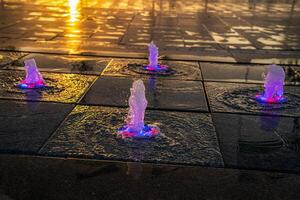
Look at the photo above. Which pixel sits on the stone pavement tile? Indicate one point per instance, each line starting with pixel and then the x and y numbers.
pixel 183 70
pixel 40 46
pixel 30 178
pixel 160 93
pixel 60 87
pixel 25 126
pixel 240 98
pixel 67 64
pixel 266 57
pixel 244 73
pixel 8 57
pixel 259 142
pixel 90 131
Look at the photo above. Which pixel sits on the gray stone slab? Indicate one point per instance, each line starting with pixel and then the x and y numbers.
pixel 244 73
pixel 66 64
pixel 183 70
pixel 240 98
pixel 28 178
pixel 160 93
pixel 259 142
pixel 9 57
pixel 25 126
pixel 266 57
pixel 90 131
pixel 66 88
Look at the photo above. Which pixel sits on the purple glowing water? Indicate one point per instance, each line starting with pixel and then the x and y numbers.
pixel 135 126
pixel 274 81
pixel 153 59
pixel 33 77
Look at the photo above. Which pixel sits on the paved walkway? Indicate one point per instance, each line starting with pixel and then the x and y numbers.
pixel 206 113
pixel 217 142
pixel 235 31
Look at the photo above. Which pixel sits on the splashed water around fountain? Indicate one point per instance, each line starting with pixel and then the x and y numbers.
pixel 274 81
pixel 135 126
pixel 33 77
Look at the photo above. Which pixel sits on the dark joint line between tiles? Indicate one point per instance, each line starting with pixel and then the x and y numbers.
pixel 249 83
pixel 43 156
pixel 52 72
pixel 148 108
pixel 55 129
pixel 137 57
pixel 205 93
pixel 100 158
pixel 254 114
pixel 31 100
pixel 87 89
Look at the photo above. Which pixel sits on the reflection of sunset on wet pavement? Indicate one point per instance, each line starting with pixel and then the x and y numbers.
pixel 222 28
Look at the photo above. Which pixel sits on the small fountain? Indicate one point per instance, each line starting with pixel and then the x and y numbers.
pixel 153 65
pixel 274 81
pixel 135 126
pixel 33 77
pixel 153 68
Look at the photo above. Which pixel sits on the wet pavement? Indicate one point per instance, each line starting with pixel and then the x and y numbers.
pixel 235 31
pixel 216 142
pixel 208 118
pixel 44 178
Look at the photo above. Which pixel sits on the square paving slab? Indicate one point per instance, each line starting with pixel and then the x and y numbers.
pixel 245 73
pixel 160 93
pixel 75 179
pixel 266 57
pixel 259 142
pixel 125 67
pixel 240 98
pixel 66 88
pixel 90 131
pixel 8 57
pixel 67 64
pixel 25 126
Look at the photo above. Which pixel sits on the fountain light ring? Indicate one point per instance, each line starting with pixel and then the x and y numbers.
pixel 274 100
pixel 37 85
pixel 148 131
pixel 163 70
pixel 157 68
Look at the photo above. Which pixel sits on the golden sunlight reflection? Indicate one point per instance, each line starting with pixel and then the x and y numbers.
pixel 73 4
pixel 73 33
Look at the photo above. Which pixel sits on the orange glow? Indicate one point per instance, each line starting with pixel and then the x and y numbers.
pixel 73 33
pixel 73 4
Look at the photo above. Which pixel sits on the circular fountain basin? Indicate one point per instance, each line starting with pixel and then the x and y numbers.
pixel 162 70
pixel 149 131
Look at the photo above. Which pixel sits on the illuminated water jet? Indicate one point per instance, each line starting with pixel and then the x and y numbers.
pixel 273 86
pixel 153 65
pixel 33 77
pixel 135 126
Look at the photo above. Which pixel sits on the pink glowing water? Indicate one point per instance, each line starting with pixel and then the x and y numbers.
pixel 153 59
pixel 274 81
pixel 135 126
pixel 33 77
